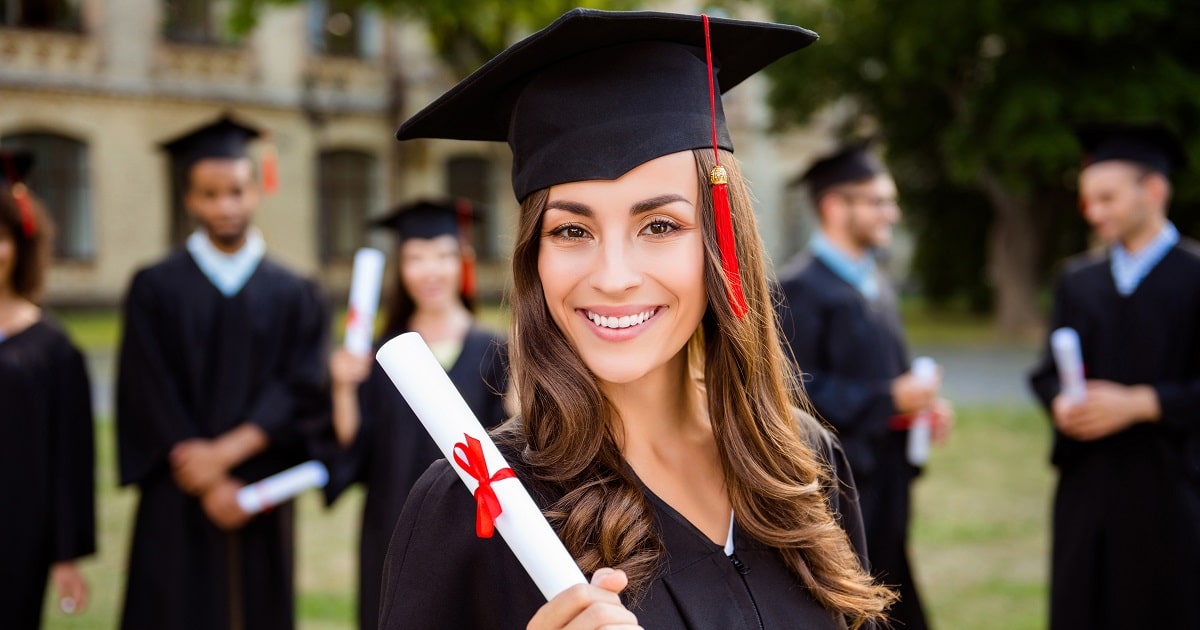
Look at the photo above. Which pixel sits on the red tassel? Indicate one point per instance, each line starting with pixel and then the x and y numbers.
pixel 723 216
pixel 25 207
pixel 464 210
pixel 270 169
pixel 725 241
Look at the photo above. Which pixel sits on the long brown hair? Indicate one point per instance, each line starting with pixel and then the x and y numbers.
pixel 777 482
pixel 32 250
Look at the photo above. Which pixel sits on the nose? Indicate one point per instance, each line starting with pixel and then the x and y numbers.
pixel 616 270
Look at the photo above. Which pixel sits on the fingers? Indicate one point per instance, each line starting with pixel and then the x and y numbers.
pixel 588 607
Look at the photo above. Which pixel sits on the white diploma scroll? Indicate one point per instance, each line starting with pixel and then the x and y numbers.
pixel 364 300
pixel 919 434
pixel 282 486
pixel 1064 344
pixel 424 384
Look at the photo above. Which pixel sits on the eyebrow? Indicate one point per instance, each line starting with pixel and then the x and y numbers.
pixel 641 207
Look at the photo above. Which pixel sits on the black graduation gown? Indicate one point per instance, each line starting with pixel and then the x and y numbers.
pixel 47 460
pixel 195 363
pixel 849 350
pixel 440 575
pixel 1126 546
pixel 392 450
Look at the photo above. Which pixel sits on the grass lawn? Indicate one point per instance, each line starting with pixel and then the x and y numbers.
pixel 980 533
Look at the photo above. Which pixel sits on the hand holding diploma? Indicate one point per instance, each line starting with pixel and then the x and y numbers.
pixel 500 497
pixel 280 487
pixel 594 605
pixel 1064 344
pixel 925 370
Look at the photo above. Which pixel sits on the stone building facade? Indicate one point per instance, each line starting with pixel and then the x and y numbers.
pixel 94 87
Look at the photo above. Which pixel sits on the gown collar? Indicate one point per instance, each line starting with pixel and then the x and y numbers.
pixel 228 272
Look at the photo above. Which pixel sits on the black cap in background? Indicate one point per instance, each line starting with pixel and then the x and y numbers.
pixel 849 164
pixel 597 93
pixel 428 219
pixel 1151 145
pixel 223 139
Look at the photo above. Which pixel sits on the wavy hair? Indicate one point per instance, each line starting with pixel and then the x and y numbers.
pixel 777 482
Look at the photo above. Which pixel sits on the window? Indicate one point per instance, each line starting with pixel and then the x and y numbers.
pixel 55 15
pixel 199 22
pixel 60 179
pixel 342 28
pixel 345 191
pixel 470 177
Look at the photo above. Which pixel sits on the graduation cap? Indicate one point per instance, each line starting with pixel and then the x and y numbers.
pixel 428 219
pixel 1151 145
pixel 222 139
pixel 598 93
pixel 14 168
pixel 851 163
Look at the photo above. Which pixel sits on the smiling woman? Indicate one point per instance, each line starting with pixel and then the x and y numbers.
pixel 659 430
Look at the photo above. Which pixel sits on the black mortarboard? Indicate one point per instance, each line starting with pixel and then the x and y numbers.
pixel 851 163
pixel 224 139
pixel 1151 145
pixel 15 165
pixel 598 93
pixel 428 219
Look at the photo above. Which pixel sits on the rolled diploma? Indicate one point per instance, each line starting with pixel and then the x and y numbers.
pixel 1064 343
pixel 424 384
pixel 282 486
pixel 925 370
pixel 365 281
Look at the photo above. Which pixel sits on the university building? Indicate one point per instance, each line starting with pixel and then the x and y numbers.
pixel 94 87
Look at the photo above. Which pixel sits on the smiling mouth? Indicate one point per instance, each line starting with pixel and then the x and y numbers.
pixel 623 321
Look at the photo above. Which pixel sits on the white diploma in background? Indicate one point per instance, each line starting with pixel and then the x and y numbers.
pixel 1064 343
pixel 282 486
pixel 364 300
pixel 925 371
pixel 448 419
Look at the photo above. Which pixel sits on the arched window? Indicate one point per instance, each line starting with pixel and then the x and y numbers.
pixel 470 177
pixel 53 15
pixel 198 22
pixel 60 179
pixel 346 191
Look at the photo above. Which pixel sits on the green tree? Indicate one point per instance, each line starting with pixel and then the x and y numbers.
pixel 976 102
pixel 465 32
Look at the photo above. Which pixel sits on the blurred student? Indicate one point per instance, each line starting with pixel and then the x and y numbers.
pixel 46 448
pixel 1126 543
pixel 222 355
pixel 839 317
pixel 386 447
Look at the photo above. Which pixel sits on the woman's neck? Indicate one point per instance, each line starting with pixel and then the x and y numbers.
pixel 16 312
pixel 441 324
pixel 663 407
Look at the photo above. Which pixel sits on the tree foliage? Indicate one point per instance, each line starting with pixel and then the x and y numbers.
pixel 976 101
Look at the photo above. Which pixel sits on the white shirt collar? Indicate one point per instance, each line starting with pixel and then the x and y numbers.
pixel 228 272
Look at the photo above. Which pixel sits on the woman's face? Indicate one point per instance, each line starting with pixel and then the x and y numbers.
pixel 430 269
pixel 8 256
pixel 622 266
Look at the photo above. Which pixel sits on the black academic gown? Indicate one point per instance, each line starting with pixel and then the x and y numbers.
pixel 194 363
pixel 849 350
pixel 47 460
pixel 392 450
pixel 440 575
pixel 1126 548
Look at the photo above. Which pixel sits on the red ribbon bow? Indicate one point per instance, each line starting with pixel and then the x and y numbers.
pixel 469 457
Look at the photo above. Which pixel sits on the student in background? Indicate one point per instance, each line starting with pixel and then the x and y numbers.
pixel 46 447
pixel 1126 540
pixel 222 356
pixel 385 446
pixel 840 320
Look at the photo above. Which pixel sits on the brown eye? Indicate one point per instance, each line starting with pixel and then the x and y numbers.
pixel 660 228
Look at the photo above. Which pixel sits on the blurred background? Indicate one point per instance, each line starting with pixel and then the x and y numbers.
pixel 973 103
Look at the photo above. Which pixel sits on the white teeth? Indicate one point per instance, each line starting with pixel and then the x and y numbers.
pixel 624 321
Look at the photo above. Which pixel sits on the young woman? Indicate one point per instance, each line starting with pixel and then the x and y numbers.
pixel 386 448
pixel 658 430
pixel 46 449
